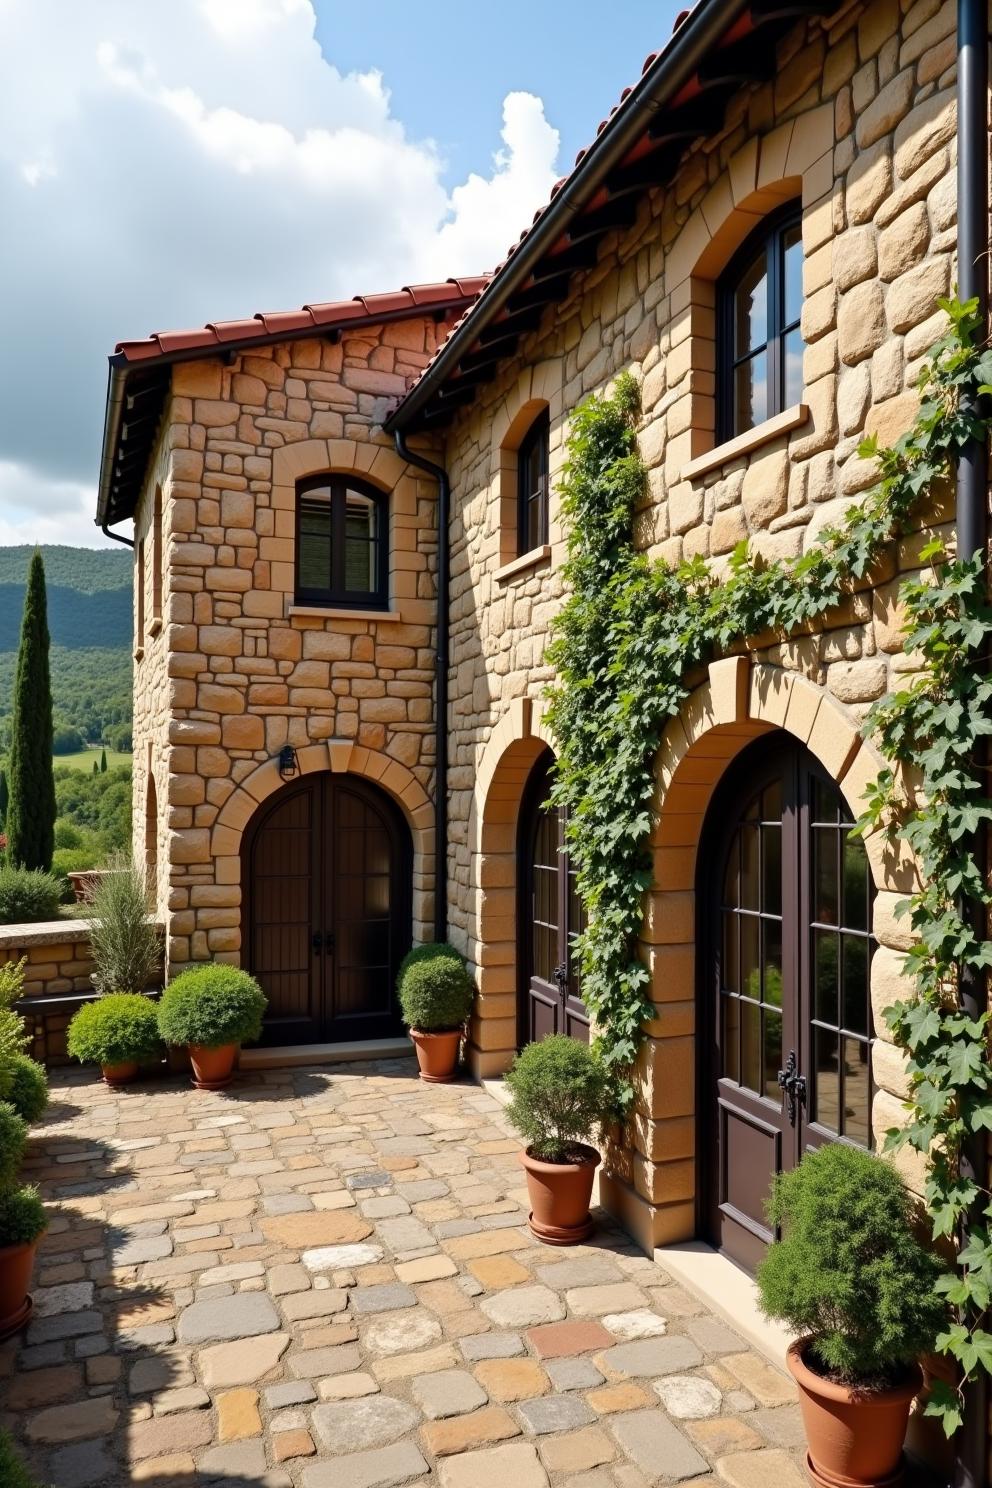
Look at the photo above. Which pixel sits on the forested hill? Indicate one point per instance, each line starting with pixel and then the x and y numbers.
pixel 90 620
pixel 89 595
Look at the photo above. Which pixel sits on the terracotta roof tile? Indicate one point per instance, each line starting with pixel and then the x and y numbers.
pixel 221 333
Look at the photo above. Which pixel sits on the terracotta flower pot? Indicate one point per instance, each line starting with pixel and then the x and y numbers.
pixel 120 1074
pixel 855 1439
pixel 560 1194
pixel 213 1068
pixel 437 1054
pixel 16 1265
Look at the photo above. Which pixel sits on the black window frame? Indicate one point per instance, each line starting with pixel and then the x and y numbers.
pixel 336 594
pixel 536 442
pixel 769 234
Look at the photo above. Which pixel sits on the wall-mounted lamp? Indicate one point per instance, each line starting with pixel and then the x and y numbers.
pixel 289 765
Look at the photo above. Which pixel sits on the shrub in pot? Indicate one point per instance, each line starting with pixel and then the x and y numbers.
pixel 118 1032
pixel 22 1223
pixel 212 1010
pixel 560 1098
pixel 28 895
pixel 428 951
pixel 435 992
pixel 851 1278
pixel 25 1086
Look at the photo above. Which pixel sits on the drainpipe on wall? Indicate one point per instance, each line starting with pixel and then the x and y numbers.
pixel 440 682
pixel 971 1467
pixel 104 528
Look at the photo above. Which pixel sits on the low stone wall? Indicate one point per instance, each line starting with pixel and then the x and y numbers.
pixel 59 966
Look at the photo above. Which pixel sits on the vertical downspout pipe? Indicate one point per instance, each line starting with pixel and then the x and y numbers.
pixel 440 681
pixel 971 1467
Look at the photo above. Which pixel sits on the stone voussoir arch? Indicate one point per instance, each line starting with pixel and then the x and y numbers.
pixel 342 756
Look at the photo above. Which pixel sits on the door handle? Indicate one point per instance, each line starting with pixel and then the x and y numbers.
pixel 329 942
pixel 560 975
pixel 793 1085
pixel 317 941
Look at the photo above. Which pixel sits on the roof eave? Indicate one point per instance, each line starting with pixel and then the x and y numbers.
pixel 703 28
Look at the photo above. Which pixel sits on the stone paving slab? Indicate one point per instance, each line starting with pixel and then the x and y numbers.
pixel 323 1278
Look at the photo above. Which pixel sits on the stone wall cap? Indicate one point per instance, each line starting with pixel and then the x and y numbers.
pixel 49 932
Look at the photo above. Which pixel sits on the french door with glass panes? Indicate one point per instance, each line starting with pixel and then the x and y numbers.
pixel 786 1002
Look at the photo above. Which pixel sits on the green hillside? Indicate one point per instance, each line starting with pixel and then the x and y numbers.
pixel 90 620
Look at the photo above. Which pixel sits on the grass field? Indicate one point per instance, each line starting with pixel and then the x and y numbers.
pixel 83 760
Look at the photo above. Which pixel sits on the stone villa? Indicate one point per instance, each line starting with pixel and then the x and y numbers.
pixel 760 232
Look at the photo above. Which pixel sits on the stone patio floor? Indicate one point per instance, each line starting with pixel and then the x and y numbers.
pixel 323 1278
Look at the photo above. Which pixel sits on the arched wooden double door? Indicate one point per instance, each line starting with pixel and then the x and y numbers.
pixel 550 917
pixel 326 870
pixel 785 1002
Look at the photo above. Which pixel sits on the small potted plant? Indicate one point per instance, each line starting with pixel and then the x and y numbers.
pixel 560 1098
pixel 435 992
pixel 22 1221
pixel 851 1278
pixel 212 1010
pixel 118 1032
pixel 24 1084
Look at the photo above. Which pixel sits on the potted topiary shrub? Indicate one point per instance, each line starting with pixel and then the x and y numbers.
pixel 22 1220
pixel 850 1277
pixel 435 992
pixel 24 1084
pixel 212 1010
pixel 118 1032
pixel 560 1098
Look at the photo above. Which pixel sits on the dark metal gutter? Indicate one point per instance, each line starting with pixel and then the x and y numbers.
pixel 971 1463
pixel 440 680
pixel 691 44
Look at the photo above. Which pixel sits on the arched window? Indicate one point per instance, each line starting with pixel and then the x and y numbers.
pixel 759 343
pixel 342 527
pixel 533 457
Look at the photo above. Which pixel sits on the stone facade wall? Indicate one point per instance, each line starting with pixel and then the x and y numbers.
pixel 859 122
pixel 239 670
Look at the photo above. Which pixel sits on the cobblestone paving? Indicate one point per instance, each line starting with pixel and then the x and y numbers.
pixel 323 1279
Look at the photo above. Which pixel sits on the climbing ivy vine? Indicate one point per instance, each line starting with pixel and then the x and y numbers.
pixel 625 646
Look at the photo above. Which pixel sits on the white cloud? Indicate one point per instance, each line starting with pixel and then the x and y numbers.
pixel 37 508
pixel 176 161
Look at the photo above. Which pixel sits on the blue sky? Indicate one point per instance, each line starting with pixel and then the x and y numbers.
pixel 168 162
pixel 448 74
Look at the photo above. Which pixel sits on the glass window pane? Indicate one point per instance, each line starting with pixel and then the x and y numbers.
pixel 825 906
pixel 751 307
pixel 731 1037
pixel 824 801
pixel 792 273
pixel 749 866
pixel 771 869
pixel 730 877
pixel 772 1053
pixel 750 966
pixel 857 1091
pixel 855 883
pixel 825 976
pixel 729 967
pixel 535 520
pixel 792 369
pixel 856 997
pixel 361 546
pixel 751 393
pixel 771 989
pixel 771 802
pixel 826 1084
pixel 750 1015
pixel 314 561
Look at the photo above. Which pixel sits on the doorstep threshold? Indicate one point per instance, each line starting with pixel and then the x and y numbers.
pixel 726 1290
pixel 288 1055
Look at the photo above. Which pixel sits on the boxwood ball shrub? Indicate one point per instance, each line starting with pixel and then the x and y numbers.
pixel 121 1028
pixel 28 895
pixel 428 951
pixel 211 1006
pixel 560 1096
pixel 13 1473
pixel 13 1140
pixel 849 1269
pixel 22 1219
pixel 436 993
pixel 26 1088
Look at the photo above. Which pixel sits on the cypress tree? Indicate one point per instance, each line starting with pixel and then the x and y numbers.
pixel 4 799
pixel 96 767
pixel 103 762
pixel 31 810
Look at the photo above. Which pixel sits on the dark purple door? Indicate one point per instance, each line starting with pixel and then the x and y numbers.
pixel 326 876
pixel 550 917
pixel 785 994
